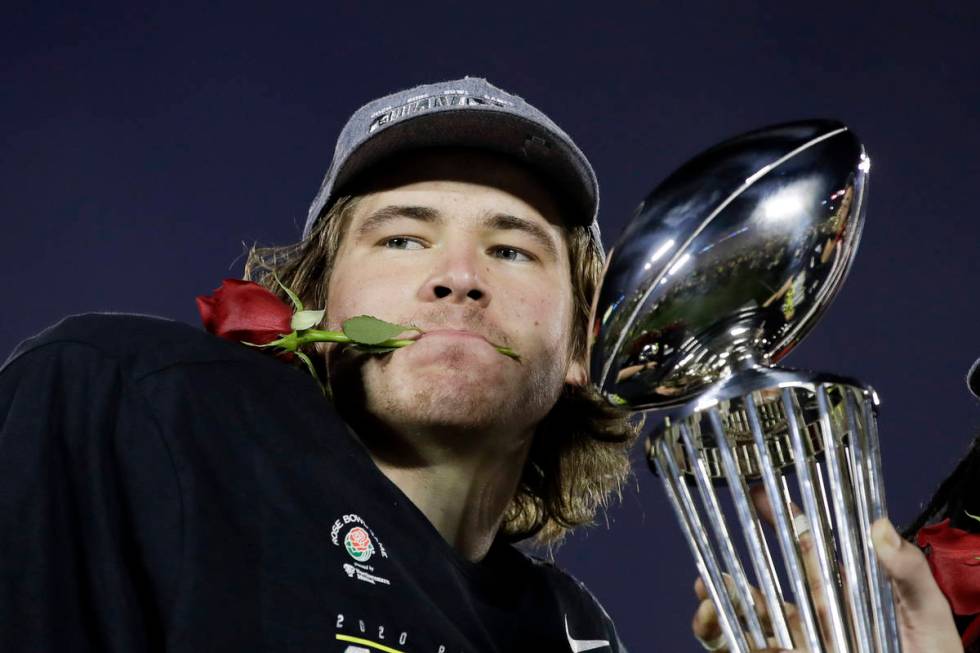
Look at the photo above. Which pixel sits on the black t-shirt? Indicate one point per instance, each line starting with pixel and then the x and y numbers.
pixel 162 489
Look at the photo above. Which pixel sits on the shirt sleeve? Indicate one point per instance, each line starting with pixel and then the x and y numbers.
pixel 89 507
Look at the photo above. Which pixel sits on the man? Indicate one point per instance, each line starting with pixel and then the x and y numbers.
pixel 165 490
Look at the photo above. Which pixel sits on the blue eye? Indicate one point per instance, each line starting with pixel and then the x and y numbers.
pixel 402 242
pixel 510 254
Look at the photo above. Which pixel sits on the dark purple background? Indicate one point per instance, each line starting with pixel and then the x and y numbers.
pixel 142 146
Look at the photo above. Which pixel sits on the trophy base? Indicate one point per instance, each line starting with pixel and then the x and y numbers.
pixel 807 439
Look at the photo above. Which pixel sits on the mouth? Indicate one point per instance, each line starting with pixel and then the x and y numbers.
pixel 461 334
pixel 495 338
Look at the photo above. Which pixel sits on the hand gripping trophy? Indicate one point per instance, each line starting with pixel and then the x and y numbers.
pixel 724 268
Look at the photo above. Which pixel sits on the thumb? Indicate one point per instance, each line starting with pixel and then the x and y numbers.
pixel 925 618
pixel 912 581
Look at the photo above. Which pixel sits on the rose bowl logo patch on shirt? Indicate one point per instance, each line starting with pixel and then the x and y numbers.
pixel 360 543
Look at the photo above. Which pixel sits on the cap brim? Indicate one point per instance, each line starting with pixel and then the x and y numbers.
pixel 973 379
pixel 505 133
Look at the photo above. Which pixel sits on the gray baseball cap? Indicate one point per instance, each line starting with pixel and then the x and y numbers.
pixel 468 112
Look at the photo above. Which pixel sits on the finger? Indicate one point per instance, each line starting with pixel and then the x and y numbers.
pixel 705 623
pixel 699 589
pixel 809 554
pixel 759 603
pixel 761 502
pixel 811 568
pixel 793 622
pixel 755 597
pixel 760 499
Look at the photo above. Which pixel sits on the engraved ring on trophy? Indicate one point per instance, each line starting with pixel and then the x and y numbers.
pixel 723 269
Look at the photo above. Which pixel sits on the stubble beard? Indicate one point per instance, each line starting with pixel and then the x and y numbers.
pixel 461 400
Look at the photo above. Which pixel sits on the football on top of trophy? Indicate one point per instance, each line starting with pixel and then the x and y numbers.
pixel 728 263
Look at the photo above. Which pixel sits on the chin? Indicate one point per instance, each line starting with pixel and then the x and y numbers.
pixel 450 399
pixel 462 399
pixel 458 387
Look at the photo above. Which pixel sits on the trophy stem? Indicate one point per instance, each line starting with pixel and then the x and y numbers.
pixel 784 528
pixel 697 539
pixel 865 460
pixel 743 595
pixel 886 619
pixel 842 497
pixel 811 491
pixel 855 460
pixel 752 530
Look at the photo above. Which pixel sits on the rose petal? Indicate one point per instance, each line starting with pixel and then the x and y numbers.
pixel 244 310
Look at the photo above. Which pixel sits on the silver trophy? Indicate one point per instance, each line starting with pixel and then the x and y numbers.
pixel 724 268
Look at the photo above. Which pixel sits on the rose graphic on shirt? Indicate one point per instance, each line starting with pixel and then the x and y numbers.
pixel 358 544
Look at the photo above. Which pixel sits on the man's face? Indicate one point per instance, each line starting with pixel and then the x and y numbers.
pixel 468 247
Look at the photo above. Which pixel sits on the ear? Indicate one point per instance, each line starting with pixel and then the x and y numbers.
pixel 576 374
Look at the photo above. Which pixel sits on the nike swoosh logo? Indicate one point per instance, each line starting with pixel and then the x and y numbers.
pixel 579 645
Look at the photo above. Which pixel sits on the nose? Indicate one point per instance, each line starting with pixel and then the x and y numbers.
pixel 456 278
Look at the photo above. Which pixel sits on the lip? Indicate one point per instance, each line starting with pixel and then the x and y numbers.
pixel 454 333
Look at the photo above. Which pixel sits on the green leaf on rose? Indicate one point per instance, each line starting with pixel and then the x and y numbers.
pixel 971 516
pixel 306 319
pixel 293 297
pixel 507 351
pixel 306 360
pixel 367 330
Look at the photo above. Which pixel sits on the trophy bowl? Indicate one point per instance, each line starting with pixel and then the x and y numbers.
pixel 730 260
pixel 723 269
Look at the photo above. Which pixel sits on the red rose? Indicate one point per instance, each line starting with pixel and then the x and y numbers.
pixel 953 559
pixel 245 311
